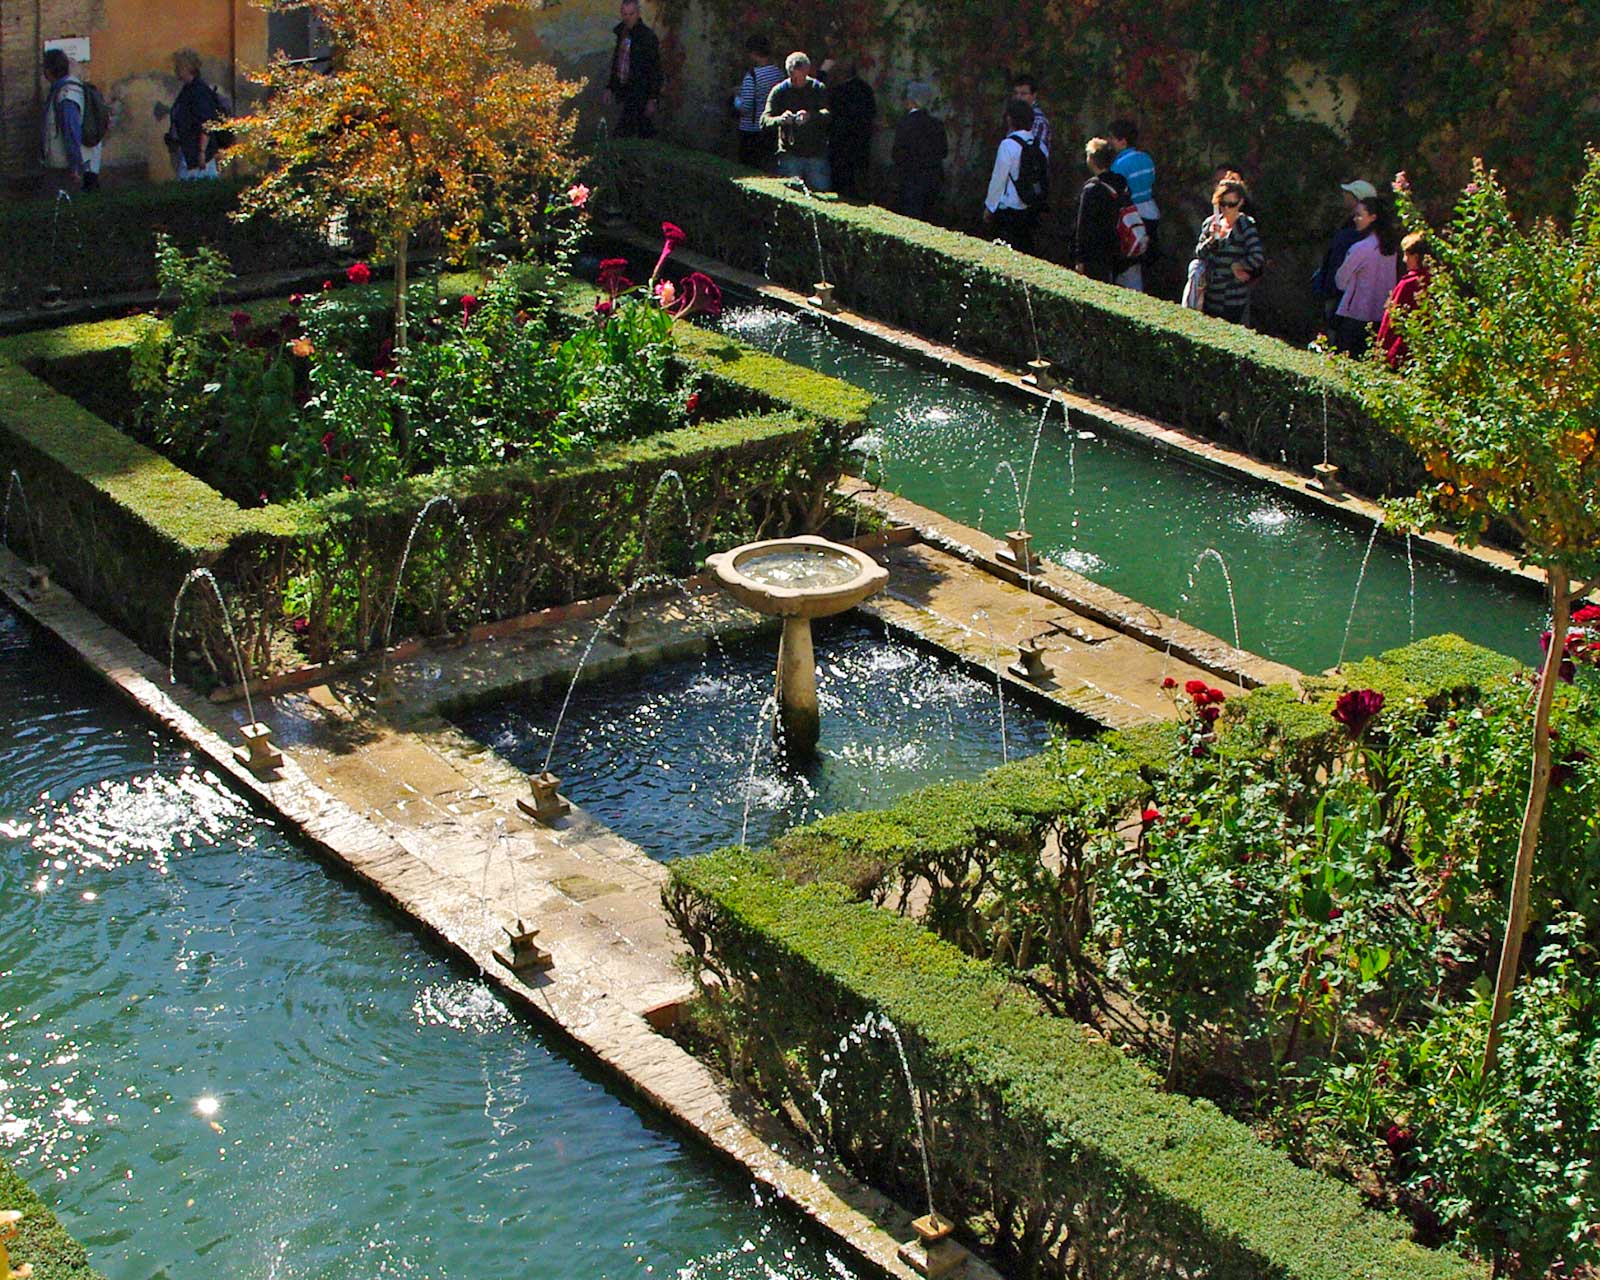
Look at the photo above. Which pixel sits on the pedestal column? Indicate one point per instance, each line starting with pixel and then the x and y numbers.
pixel 798 717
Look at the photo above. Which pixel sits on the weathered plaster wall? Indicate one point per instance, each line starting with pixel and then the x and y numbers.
pixel 131 47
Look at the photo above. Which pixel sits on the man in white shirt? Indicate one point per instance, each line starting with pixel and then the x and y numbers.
pixel 1006 212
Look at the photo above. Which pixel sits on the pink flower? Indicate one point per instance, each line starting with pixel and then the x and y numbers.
pixel 358 273
pixel 469 304
pixel 666 294
pixel 578 194
pixel 349 479
pixel 295 299
pixel 300 625
pixel 672 236
pixel 1356 709
pixel 699 293
pixel 613 276
pixel 604 307
pixel 1473 188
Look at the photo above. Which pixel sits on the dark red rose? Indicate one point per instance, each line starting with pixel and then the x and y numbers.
pixel 1356 709
pixel 327 442
pixel 691 406
pixel 1195 688
pixel 1167 682
pixel 240 321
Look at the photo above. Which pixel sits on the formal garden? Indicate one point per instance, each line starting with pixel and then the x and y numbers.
pixel 1291 979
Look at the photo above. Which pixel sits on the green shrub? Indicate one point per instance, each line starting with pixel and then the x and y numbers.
pixel 1052 1145
pixel 1223 381
pixel 104 243
pixel 42 1241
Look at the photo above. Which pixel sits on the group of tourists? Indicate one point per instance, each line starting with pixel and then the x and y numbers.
pixel 76 119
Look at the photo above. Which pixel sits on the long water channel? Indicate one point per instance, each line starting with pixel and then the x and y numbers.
pixel 1139 522
pixel 219 1059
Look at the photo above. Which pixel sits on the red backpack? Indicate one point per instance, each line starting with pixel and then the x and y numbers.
pixel 1133 237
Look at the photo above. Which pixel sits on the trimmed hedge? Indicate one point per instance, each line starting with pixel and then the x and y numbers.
pixel 1220 380
pixel 121 526
pixel 41 1240
pixel 104 243
pixel 1056 1146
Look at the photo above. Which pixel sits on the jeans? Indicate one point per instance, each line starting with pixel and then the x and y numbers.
pixel 812 170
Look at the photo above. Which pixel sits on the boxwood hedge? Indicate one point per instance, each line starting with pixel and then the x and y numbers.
pixel 105 243
pixel 1139 353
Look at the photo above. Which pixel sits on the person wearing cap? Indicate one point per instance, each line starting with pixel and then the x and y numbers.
pixel 1324 281
pixel 921 144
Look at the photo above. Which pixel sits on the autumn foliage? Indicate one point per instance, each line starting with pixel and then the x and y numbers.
pixel 425 121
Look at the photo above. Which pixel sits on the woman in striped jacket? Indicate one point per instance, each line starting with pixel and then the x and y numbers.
pixel 1231 250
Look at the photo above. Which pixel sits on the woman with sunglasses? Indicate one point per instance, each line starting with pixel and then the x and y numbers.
pixel 1231 252
pixel 1367 276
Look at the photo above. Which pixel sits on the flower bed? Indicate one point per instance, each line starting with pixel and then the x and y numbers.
pixel 1309 891
pixel 121 524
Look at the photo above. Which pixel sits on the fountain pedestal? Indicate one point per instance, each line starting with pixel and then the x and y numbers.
pixel 1327 478
pixel 1040 375
pixel 822 299
pixel 258 754
pixel 546 804
pixel 798 579
pixel 933 1253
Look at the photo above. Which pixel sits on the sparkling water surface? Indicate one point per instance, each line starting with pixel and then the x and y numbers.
pixel 663 755
pixel 1139 522
pixel 217 1059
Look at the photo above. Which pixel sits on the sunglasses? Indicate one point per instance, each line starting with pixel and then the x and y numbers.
pixel 1231 204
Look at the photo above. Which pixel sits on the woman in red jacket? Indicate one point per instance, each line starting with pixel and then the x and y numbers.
pixel 1405 295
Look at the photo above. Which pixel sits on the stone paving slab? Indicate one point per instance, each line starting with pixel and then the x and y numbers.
pixel 461 877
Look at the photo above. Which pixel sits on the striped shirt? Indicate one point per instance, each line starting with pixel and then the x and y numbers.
pixel 1041 128
pixel 1226 295
pixel 1140 171
pixel 752 95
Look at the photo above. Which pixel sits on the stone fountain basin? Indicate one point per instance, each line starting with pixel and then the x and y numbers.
pixel 801 577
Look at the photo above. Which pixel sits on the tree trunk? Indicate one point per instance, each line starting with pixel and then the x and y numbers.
pixel 1538 789
pixel 401 331
pixel 1178 1025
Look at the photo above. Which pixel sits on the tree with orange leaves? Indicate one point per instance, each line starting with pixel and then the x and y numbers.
pixel 1500 395
pixel 426 120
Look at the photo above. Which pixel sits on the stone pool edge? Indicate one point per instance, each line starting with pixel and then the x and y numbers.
pixel 655 1069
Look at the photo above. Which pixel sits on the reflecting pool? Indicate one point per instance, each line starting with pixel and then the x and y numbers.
pixel 220 1060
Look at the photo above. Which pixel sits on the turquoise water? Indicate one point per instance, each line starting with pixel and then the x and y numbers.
pixel 219 1060
pixel 1140 522
pixel 678 757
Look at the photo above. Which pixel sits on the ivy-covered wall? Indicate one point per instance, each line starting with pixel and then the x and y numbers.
pixel 1302 94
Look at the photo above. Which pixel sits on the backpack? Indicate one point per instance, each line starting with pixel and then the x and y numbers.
pixel 222 109
pixel 96 116
pixel 95 120
pixel 1033 175
pixel 1133 237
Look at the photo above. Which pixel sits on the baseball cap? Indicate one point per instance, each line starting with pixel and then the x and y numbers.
pixel 1360 188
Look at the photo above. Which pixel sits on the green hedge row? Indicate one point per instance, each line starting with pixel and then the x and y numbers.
pixel 1056 1147
pixel 41 1241
pixel 121 526
pixel 1143 354
pixel 105 242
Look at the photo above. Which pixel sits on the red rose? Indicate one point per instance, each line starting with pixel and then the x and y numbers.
pixel 1356 709
pixel 1150 815
pixel 359 273
pixel 327 285
pixel 1167 682
pixel 1195 688
pixel 691 406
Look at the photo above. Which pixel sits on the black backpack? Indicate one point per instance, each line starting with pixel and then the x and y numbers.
pixel 1033 175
